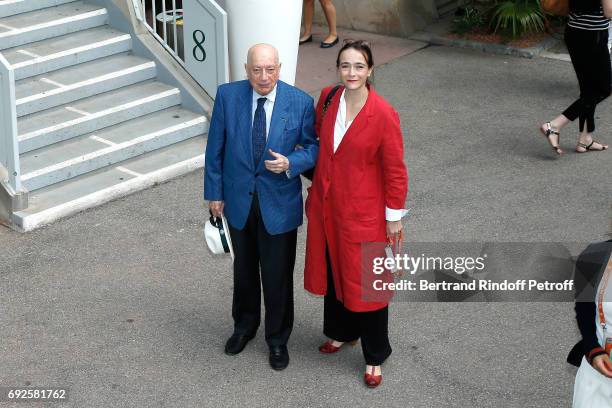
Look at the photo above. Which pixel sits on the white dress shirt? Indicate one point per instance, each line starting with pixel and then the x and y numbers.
pixel 340 129
pixel 268 107
pixel 607 309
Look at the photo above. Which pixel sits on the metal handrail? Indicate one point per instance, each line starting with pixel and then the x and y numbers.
pixel 140 7
pixel 207 20
pixel 136 6
pixel 9 145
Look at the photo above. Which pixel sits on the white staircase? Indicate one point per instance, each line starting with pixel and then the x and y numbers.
pixel 93 122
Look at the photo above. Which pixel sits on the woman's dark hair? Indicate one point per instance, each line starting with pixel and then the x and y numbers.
pixel 359 45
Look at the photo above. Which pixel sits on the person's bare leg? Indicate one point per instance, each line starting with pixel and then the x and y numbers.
pixel 559 122
pixel 308 12
pixel 375 370
pixel 330 15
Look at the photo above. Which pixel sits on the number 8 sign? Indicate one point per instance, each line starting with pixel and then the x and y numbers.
pixel 206 38
pixel 201 56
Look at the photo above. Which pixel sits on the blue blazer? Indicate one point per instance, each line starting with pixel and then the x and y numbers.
pixel 229 172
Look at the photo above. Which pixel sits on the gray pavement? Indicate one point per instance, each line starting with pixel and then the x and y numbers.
pixel 124 305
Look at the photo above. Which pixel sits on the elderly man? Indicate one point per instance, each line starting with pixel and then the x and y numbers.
pixel 261 138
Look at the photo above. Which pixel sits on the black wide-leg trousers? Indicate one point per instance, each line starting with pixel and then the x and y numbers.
pixel 254 247
pixel 591 60
pixel 341 324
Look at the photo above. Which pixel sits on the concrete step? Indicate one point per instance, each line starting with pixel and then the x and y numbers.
pixel 80 155
pixel 91 114
pixel 80 81
pixel 93 189
pixel 67 50
pixel 12 7
pixel 50 22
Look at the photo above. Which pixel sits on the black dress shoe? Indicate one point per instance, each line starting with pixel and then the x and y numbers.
pixel 279 357
pixel 331 44
pixel 236 343
pixel 309 39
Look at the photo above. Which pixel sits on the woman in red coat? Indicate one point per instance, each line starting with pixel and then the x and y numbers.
pixel 357 195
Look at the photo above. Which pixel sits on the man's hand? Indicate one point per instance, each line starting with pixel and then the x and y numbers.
pixel 603 364
pixel 280 164
pixel 216 208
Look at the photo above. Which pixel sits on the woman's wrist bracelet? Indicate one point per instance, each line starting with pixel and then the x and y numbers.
pixel 597 351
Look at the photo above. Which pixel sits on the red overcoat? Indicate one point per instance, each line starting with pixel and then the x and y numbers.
pixel 350 190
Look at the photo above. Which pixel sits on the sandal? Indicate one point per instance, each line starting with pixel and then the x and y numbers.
pixel 547 133
pixel 587 148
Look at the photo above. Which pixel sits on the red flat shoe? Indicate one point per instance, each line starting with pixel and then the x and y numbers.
pixel 371 380
pixel 329 348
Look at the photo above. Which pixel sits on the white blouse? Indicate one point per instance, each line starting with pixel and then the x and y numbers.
pixel 340 129
pixel 607 308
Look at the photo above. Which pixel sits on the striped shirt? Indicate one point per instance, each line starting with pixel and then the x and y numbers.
pixel 589 21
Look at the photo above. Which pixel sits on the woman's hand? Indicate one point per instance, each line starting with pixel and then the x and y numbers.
pixel 603 364
pixel 394 229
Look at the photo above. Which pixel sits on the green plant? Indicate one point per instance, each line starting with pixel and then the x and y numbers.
pixel 470 19
pixel 517 17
